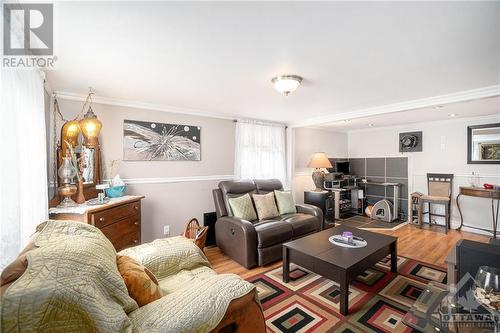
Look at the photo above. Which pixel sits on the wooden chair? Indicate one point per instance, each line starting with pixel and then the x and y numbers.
pixel 439 186
pixel 196 233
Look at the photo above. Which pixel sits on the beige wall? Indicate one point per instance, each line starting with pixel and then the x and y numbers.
pixel 307 141
pixel 170 202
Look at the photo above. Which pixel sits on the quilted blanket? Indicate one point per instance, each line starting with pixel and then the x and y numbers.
pixel 72 284
pixel 195 297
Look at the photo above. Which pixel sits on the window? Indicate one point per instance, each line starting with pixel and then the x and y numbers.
pixel 260 151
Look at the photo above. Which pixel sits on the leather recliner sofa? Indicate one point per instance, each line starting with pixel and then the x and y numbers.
pixel 252 243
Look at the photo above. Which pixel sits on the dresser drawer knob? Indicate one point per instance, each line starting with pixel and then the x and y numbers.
pixel 136 223
pixel 136 241
pixel 136 207
pixel 101 219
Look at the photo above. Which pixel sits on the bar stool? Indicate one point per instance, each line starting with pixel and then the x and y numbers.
pixel 439 188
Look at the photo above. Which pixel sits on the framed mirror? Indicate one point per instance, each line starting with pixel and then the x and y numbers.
pixel 89 156
pixel 483 144
pixel 91 172
pixel 91 167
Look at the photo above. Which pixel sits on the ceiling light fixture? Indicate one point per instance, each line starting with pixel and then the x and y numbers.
pixel 286 84
pixel 452 115
pixel 371 125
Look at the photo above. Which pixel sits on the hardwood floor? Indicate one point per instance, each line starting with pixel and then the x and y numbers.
pixel 431 246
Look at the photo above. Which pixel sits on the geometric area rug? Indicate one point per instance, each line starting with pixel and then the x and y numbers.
pixel 378 298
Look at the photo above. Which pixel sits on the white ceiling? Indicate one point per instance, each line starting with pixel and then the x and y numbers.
pixel 475 108
pixel 219 58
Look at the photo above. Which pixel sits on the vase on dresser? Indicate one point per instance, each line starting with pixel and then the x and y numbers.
pixel 80 197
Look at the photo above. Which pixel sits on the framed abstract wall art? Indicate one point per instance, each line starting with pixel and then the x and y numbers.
pixel 153 141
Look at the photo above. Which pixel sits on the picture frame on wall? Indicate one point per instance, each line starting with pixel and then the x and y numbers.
pixel 155 141
pixel 483 144
pixel 410 142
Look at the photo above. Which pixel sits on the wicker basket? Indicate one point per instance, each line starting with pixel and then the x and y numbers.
pixel 196 233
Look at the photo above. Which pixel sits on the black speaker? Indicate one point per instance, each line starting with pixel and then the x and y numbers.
pixel 209 220
pixel 324 200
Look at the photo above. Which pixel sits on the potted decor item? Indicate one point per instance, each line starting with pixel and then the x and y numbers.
pixel 117 187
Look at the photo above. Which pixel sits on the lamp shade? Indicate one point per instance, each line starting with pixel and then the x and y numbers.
pixel 91 126
pixel 319 160
pixel 69 133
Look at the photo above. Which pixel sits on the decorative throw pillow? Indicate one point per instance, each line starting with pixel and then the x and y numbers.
pixel 141 284
pixel 266 205
pixel 285 202
pixel 242 207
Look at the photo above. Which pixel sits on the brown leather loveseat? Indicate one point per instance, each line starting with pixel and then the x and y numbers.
pixel 252 243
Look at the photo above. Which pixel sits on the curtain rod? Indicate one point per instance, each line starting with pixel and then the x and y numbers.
pixel 263 122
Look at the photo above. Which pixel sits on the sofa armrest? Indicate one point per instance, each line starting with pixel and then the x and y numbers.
pixel 238 239
pixel 243 315
pixel 311 210
pixel 197 307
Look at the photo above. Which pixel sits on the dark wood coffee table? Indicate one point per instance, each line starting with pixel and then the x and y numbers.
pixel 340 264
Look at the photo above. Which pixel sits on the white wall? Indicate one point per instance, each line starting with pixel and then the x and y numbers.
pixel 307 141
pixel 171 202
pixel 444 151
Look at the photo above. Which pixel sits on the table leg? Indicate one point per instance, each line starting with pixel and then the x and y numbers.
pixel 460 213
pixel 286 265
pixel 344 296
pixel 394 257
pixel 494 216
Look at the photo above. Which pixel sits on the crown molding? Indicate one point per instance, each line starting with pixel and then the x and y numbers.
pixel 142 105
pixel 467 95
pixel 490 117
pixel 462 96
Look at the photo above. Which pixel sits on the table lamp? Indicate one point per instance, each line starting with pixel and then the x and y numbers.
pixel 67 173
pixel 318 161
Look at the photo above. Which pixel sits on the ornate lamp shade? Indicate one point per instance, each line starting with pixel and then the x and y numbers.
pixel 318 161
pixel 91 126
pixel 69 133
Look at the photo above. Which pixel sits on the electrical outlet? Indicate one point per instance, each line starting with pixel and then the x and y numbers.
pixel 166 230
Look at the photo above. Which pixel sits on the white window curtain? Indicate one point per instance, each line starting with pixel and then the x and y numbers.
pixel 260 151
pixel 23 168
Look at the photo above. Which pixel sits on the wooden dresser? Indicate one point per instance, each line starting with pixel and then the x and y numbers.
pixel 119 219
